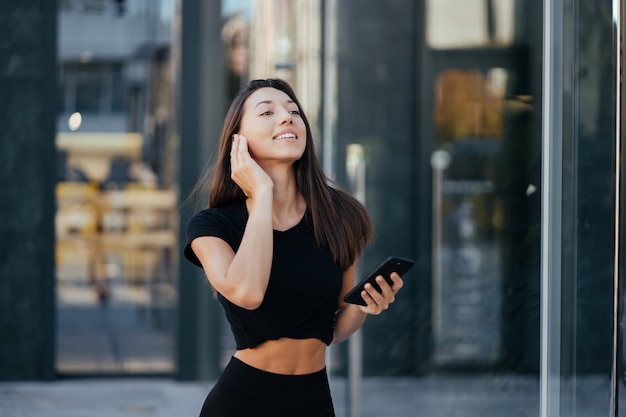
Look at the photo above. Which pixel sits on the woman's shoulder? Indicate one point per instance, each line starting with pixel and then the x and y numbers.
pixel 226 223
pixel 230 209
pixel 231 213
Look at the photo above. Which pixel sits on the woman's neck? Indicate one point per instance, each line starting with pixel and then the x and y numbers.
pixel 288 204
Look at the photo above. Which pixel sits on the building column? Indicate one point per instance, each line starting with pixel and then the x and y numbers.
pixel 200 111
pixel 28 90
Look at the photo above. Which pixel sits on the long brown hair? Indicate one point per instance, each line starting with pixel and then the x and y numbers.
pixel 339 220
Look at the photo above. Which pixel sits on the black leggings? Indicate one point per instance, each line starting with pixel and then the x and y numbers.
pixel 243 390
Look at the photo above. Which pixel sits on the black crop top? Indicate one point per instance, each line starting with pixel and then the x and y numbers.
pixel 301 298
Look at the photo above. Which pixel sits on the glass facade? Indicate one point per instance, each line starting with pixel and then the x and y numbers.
pixel 481 135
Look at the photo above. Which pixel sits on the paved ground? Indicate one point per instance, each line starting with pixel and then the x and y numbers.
pixel 381 397
pixel 122 337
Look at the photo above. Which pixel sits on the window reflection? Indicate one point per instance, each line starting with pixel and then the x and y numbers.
pixel 282 39
pixel 468 217
pixel 469 104
pixel 476 23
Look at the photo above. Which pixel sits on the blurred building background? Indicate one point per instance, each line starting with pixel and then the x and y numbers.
pixel 489 158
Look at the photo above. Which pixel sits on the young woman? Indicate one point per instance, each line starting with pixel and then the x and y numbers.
pixel 278 245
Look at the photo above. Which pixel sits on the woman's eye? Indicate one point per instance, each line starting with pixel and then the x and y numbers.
pixel 295 112
pixel 266 113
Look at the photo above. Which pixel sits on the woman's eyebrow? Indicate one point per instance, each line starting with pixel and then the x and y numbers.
pixel 270 102
pixel 263 102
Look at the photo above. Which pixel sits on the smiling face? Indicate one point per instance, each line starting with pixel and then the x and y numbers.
pixel 272 124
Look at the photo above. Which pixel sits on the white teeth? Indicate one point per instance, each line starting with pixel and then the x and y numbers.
pixel 285 136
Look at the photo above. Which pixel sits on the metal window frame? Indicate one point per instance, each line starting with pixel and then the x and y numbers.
pixel 552 284
pixel 551 209
pixel 618 32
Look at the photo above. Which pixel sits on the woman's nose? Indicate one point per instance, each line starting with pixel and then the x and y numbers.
pixel 286 117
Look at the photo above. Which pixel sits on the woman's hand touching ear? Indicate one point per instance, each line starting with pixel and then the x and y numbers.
pixel 246 173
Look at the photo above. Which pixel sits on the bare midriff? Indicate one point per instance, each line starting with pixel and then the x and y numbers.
pixel 286 356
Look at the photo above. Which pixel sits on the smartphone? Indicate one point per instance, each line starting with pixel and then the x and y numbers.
pixel 389 265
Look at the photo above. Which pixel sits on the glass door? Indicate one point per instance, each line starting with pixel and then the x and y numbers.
pixel 116 228
pixel 483 139
pixel 485 168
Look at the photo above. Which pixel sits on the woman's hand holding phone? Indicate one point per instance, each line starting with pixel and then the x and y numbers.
pixel 378 301
pixel 378 289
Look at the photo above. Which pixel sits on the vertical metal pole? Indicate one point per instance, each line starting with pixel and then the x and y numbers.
pixel 355 170
pixel 551 202
pixel 439 161
pixel 355 369
pixel 618 29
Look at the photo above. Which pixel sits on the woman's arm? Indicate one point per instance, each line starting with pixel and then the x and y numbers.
pixel 243 277
pixel 350 317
